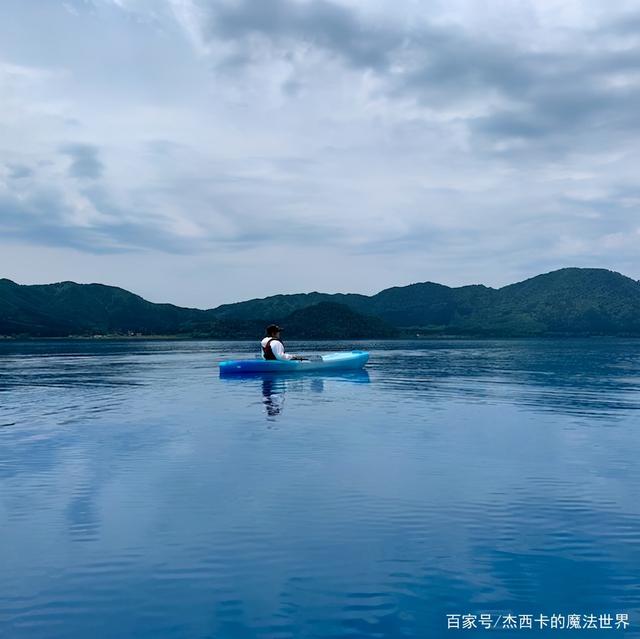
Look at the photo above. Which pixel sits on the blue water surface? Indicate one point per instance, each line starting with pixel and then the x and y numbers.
pixel 141 495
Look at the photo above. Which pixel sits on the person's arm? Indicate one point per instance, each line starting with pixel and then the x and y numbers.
pixel 278 350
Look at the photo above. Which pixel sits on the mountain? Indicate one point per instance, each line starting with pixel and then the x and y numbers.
pixel 330 320
pixel 570 301
pixel 276 307
pixel 325 320
pixel 68 308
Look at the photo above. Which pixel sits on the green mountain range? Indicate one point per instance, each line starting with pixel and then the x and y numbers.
pixel 567 302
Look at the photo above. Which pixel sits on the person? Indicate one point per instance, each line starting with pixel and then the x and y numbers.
pixel 272 346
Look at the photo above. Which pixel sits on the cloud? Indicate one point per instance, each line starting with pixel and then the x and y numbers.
pixel 445 140
pixel 46 218
pixel 501 90
pixel 90 218
pixel 329 26
pixel 85 161
pixel 19 171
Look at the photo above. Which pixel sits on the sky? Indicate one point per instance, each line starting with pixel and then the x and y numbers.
pixel 207 151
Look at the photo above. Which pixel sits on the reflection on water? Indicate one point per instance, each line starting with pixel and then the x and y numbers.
pixel 142 496
pixel 273 392
pixel 274 385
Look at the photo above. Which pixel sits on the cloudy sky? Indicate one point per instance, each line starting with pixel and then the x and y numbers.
pixel 206 151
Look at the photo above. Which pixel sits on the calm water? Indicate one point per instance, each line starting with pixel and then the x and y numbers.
pixel 143 496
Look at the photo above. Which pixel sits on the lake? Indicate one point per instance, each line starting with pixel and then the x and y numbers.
pixel 465 482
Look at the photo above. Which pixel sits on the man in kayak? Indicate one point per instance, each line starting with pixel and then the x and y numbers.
pixel 272 346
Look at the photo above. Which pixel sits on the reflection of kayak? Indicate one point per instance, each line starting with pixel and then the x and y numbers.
pixel 331 362
pixel 355 376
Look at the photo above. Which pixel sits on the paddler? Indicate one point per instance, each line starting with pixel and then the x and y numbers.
pixel 272 346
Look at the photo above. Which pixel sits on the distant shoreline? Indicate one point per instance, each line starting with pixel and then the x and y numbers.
pixel 425 338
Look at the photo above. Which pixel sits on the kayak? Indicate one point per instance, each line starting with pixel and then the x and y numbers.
pixel 331 362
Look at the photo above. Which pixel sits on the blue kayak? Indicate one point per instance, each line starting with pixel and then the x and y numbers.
pixel 331 362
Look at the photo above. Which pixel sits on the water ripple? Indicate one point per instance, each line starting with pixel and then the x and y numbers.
pixel 143 496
